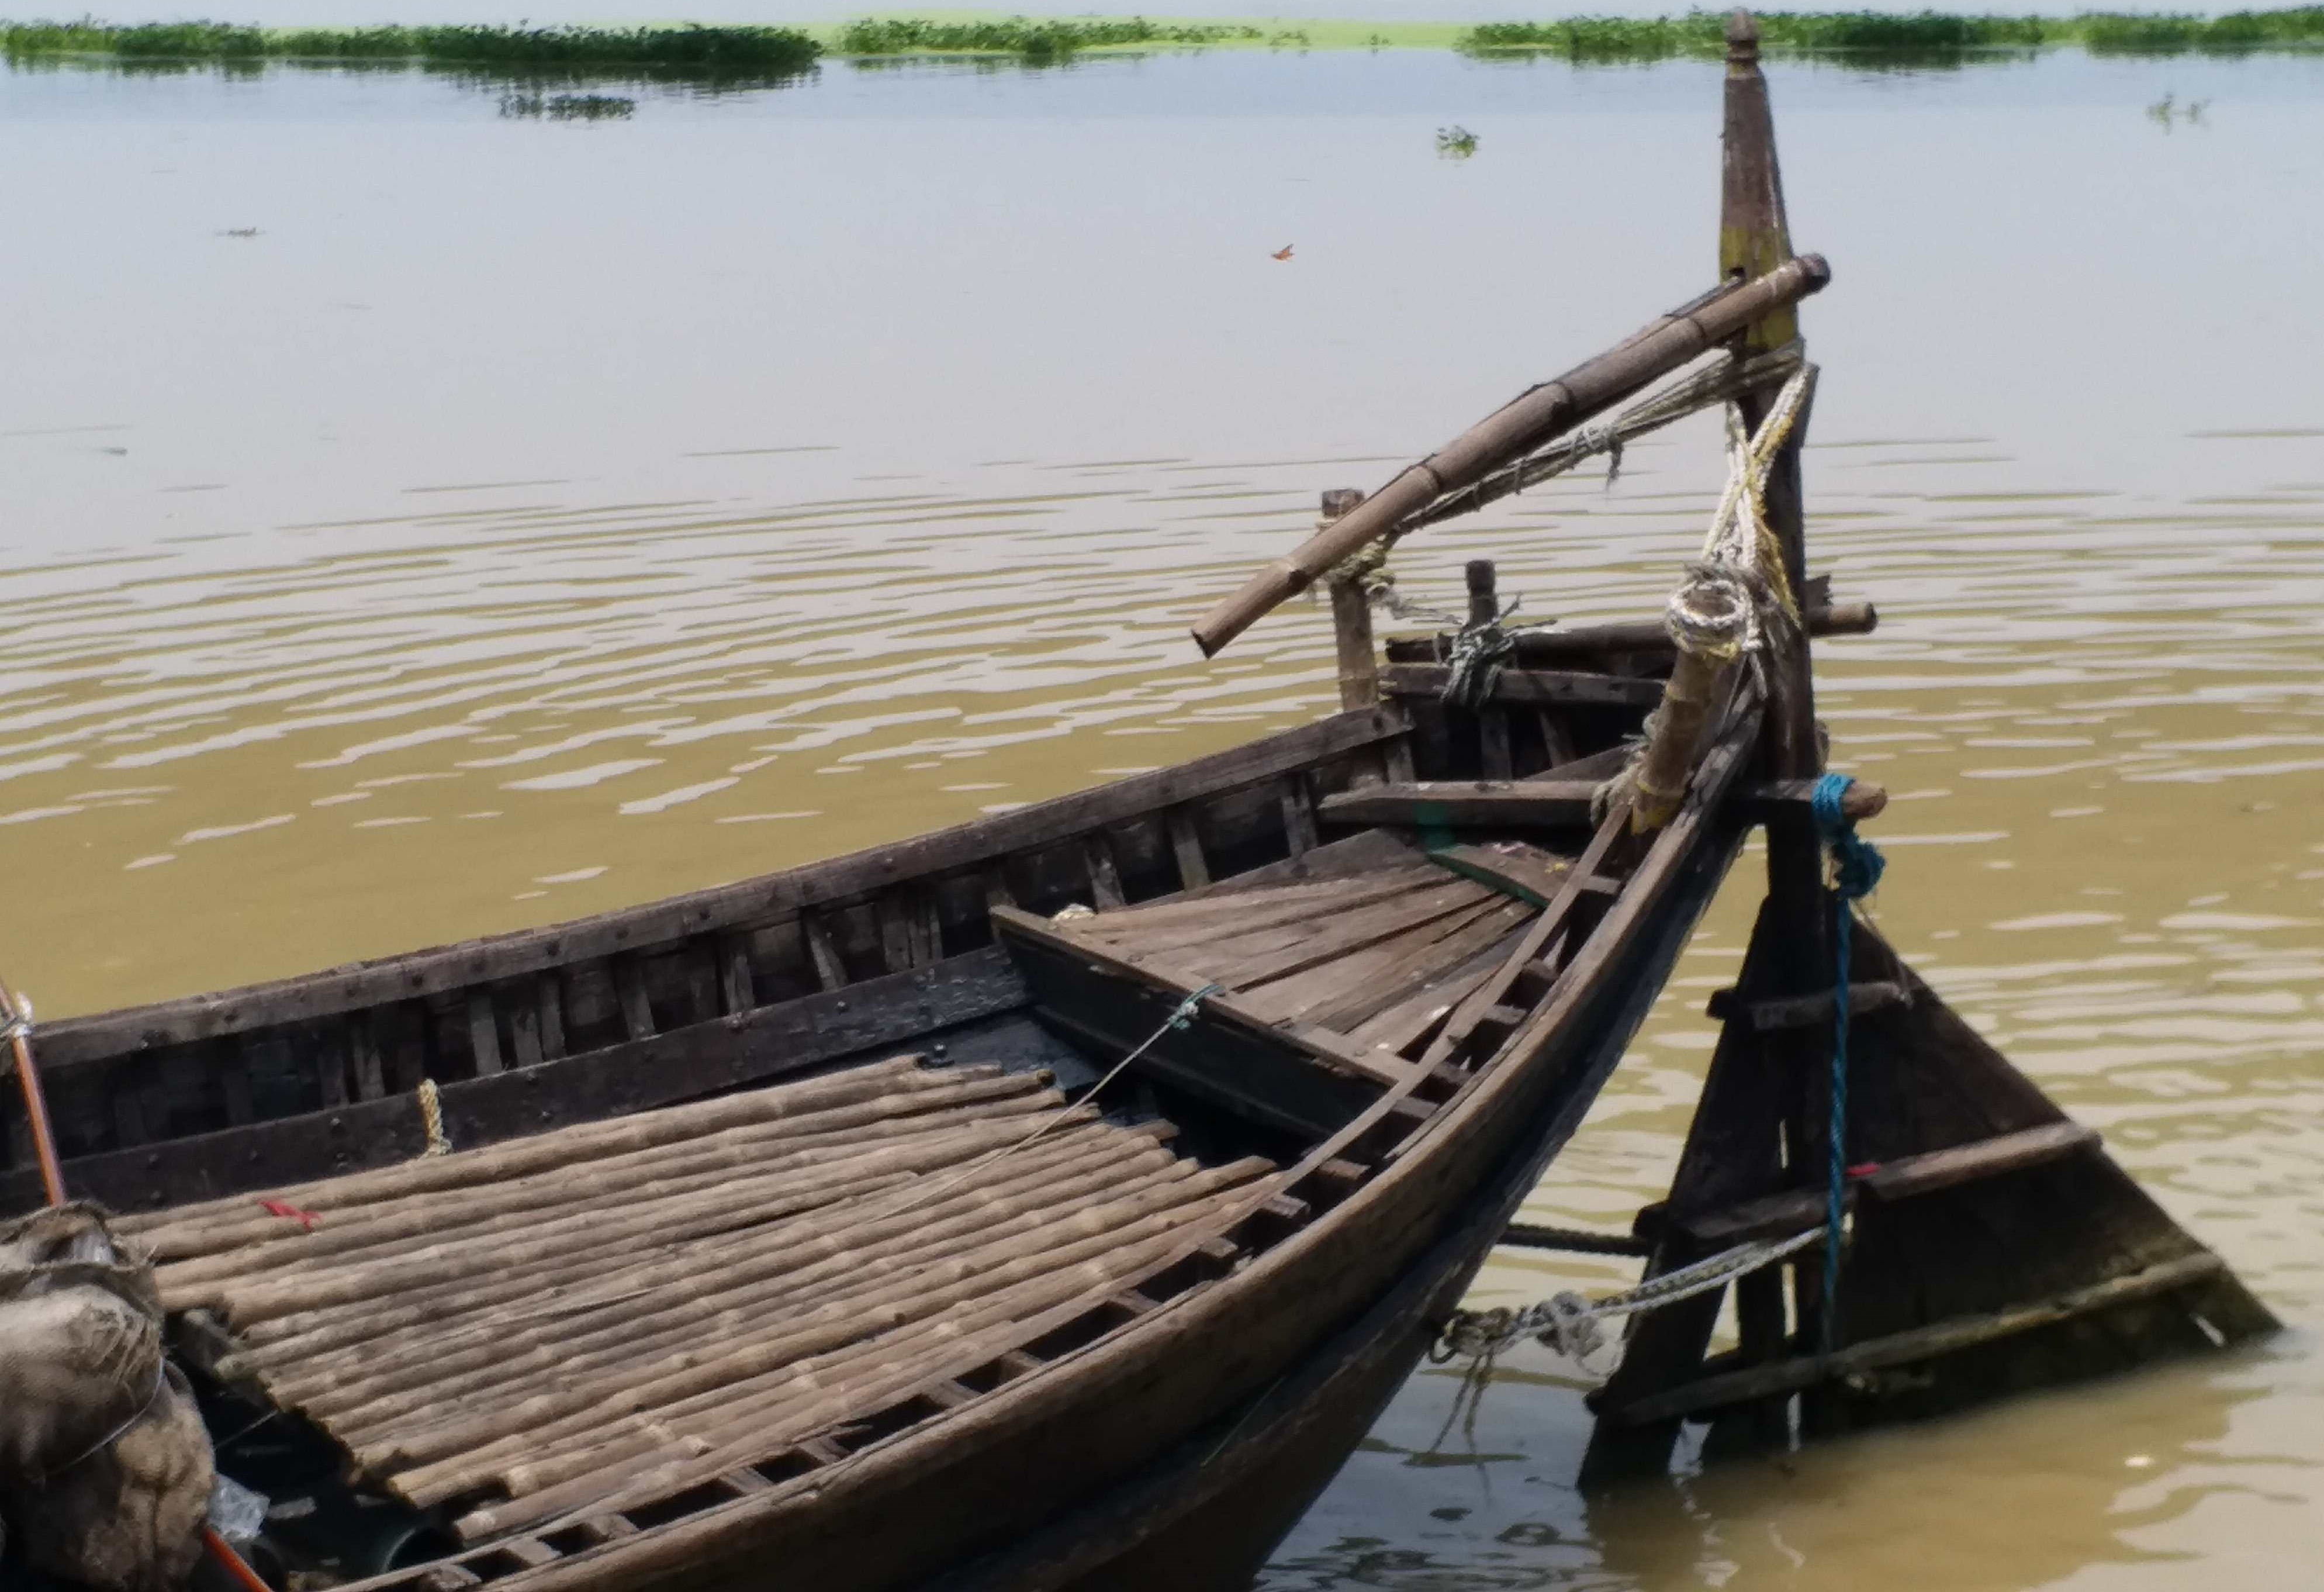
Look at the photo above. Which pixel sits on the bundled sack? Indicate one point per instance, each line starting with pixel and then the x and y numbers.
pixel 105 1464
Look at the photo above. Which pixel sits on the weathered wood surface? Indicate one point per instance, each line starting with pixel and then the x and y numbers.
pixel 756 1046
pixel 560 1320
pixel 1524 423
pixel 1551 803
pixel 1991 1237
pixel 1222 1016
pixel 1807 1011
pixel 1527 687
pixel 1521 872
pixel 1642 638
pixel 1916 1344
pixel 1351 619
pixel 1778 1216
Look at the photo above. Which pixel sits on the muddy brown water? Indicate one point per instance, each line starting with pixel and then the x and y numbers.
pixel 418 523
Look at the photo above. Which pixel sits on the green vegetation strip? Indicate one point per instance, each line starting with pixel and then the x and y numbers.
pixel 1702 33
pixel 770 54
pixel 694 52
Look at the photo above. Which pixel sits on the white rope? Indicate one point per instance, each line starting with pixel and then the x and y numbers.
pixel 1569 1323
pixel 1740 538
pixel 1719 384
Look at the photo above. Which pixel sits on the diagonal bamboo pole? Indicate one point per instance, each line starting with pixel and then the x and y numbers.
pixel 1526 422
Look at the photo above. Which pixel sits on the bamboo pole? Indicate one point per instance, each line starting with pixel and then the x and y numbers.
pixel 496 1261
pixel 249 1229
pixel 732 1318
pixel 430 1366
pixel 457 1457
pixel 374 1232
pixel 900 1075
pixel 958 1341
pixel 547 1288
pixel 625 1294
pixel 1516 429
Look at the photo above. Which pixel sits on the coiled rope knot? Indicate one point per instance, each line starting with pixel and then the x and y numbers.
pixel 1857 863
pixel 1477 654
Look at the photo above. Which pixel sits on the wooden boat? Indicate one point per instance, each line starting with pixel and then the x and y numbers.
pixel 1177 1413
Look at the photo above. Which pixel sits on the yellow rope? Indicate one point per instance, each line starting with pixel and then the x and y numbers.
pixel 432 1115
pixel 1740 532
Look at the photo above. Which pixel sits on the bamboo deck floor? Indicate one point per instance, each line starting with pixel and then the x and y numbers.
pixel 1375 956
pixel 600 1313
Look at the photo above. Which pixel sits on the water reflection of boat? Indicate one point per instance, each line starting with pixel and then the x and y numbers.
pixel 1050 1201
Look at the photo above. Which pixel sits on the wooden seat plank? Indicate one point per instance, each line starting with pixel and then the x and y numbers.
pixel 1196 922
pixel 1025 928
pixel 1339 995
pixel 1396 1026
pixel 1248 961
pixel 1526 872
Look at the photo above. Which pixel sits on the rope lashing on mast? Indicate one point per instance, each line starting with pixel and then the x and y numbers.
pixel 1724 609
pixel 1569 1323
pixel 1856 867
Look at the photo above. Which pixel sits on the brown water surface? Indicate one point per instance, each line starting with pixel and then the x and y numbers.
pixel 532 519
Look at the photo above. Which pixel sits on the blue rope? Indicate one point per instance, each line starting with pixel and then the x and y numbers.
pixel 1857 868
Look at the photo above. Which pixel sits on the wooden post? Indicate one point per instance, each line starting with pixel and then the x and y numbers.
pixel 1751 1133
pixel 1493 757
pixel 1352 618
pixel 1755 239
pixel 1484 601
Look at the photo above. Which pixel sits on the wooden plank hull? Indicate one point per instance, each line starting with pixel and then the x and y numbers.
pixel 1207 1513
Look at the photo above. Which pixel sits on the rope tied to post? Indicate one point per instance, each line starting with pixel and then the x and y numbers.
pixel 1856 867
pixel 1569 1323
pixel 1479 651
pixel 1735 603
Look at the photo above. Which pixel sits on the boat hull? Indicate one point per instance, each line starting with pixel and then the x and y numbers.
pixel 1208 1513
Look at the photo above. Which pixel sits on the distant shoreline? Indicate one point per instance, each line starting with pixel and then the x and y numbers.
pixel 745 55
